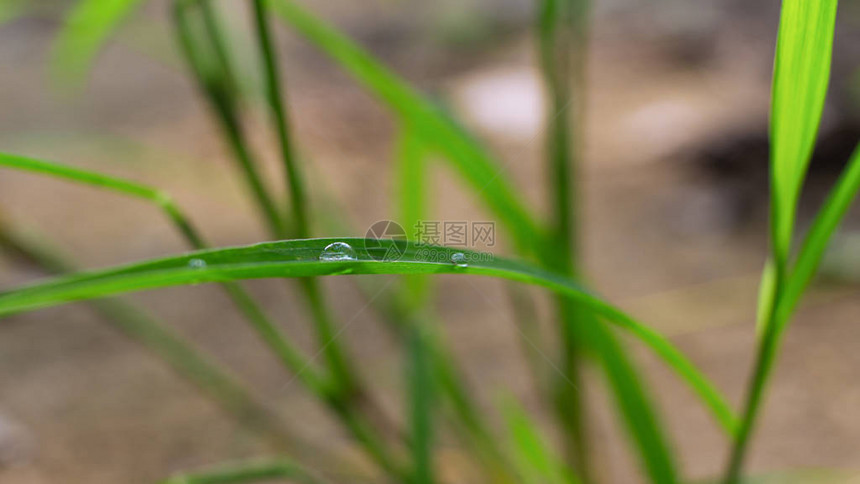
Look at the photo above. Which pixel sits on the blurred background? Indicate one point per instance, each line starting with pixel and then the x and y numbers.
pixel 674 190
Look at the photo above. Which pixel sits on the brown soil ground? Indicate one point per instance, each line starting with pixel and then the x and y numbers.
pixel 84 404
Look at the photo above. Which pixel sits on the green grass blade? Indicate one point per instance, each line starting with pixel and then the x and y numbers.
pixel 216 78
pixel 421 385
pixel 218 43
pixel 335 355
pixel 413 178
pixel 247 472
pixel 289 355
pixel 818 237
pixel 412 307
pixel 414 296
pixel 85 177
pixel 561 40
pixel 213 380
pixel 412 181
pixel 531 339
pixel 87 28
pixel 801 76
pixel 569 389
pixel 635 406
pixel 12 10
pixel 422 116
pixel 24 163
pixel 301 258
pixel 535 458
pixel 274 96
pixel 804 270
pixel 766 296
pixel 438 131
pixel 562 29
pixel 470 425
pixel 700 385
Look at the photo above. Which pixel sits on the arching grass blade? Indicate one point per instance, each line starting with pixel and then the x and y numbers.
pixel 197 368
pixel 301 258
pixel 289 355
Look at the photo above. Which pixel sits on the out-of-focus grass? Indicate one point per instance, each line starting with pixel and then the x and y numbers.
pixel 800 83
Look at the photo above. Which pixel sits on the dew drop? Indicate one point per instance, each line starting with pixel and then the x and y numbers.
pixel 459 259
pixel 197 263
pixel 338 251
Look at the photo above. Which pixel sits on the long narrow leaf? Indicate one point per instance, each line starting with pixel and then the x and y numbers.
pixel 248 472
pixel 114 184
pixel 291 356
pixel 766 296
pixel 421 403
pixel 534 456
pixel 826 222
pixel 88 26
pixel 434 127
pixel 196 367
pixel 633 402
pixel 420 375
pixel 812 251
pixel 561 44
pixel 412 189
pixel 280 121
pixel 324 322
pixel 801 76
pixel 412 183
pixel 209 61
pixel 302 258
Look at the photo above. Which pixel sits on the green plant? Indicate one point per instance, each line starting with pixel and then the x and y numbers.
pixel 801 76
pixel 249 472
pixel 547 253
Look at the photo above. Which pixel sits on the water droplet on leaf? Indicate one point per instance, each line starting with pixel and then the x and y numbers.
pixel 197 263
pixel 459 259
pixel 338 251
